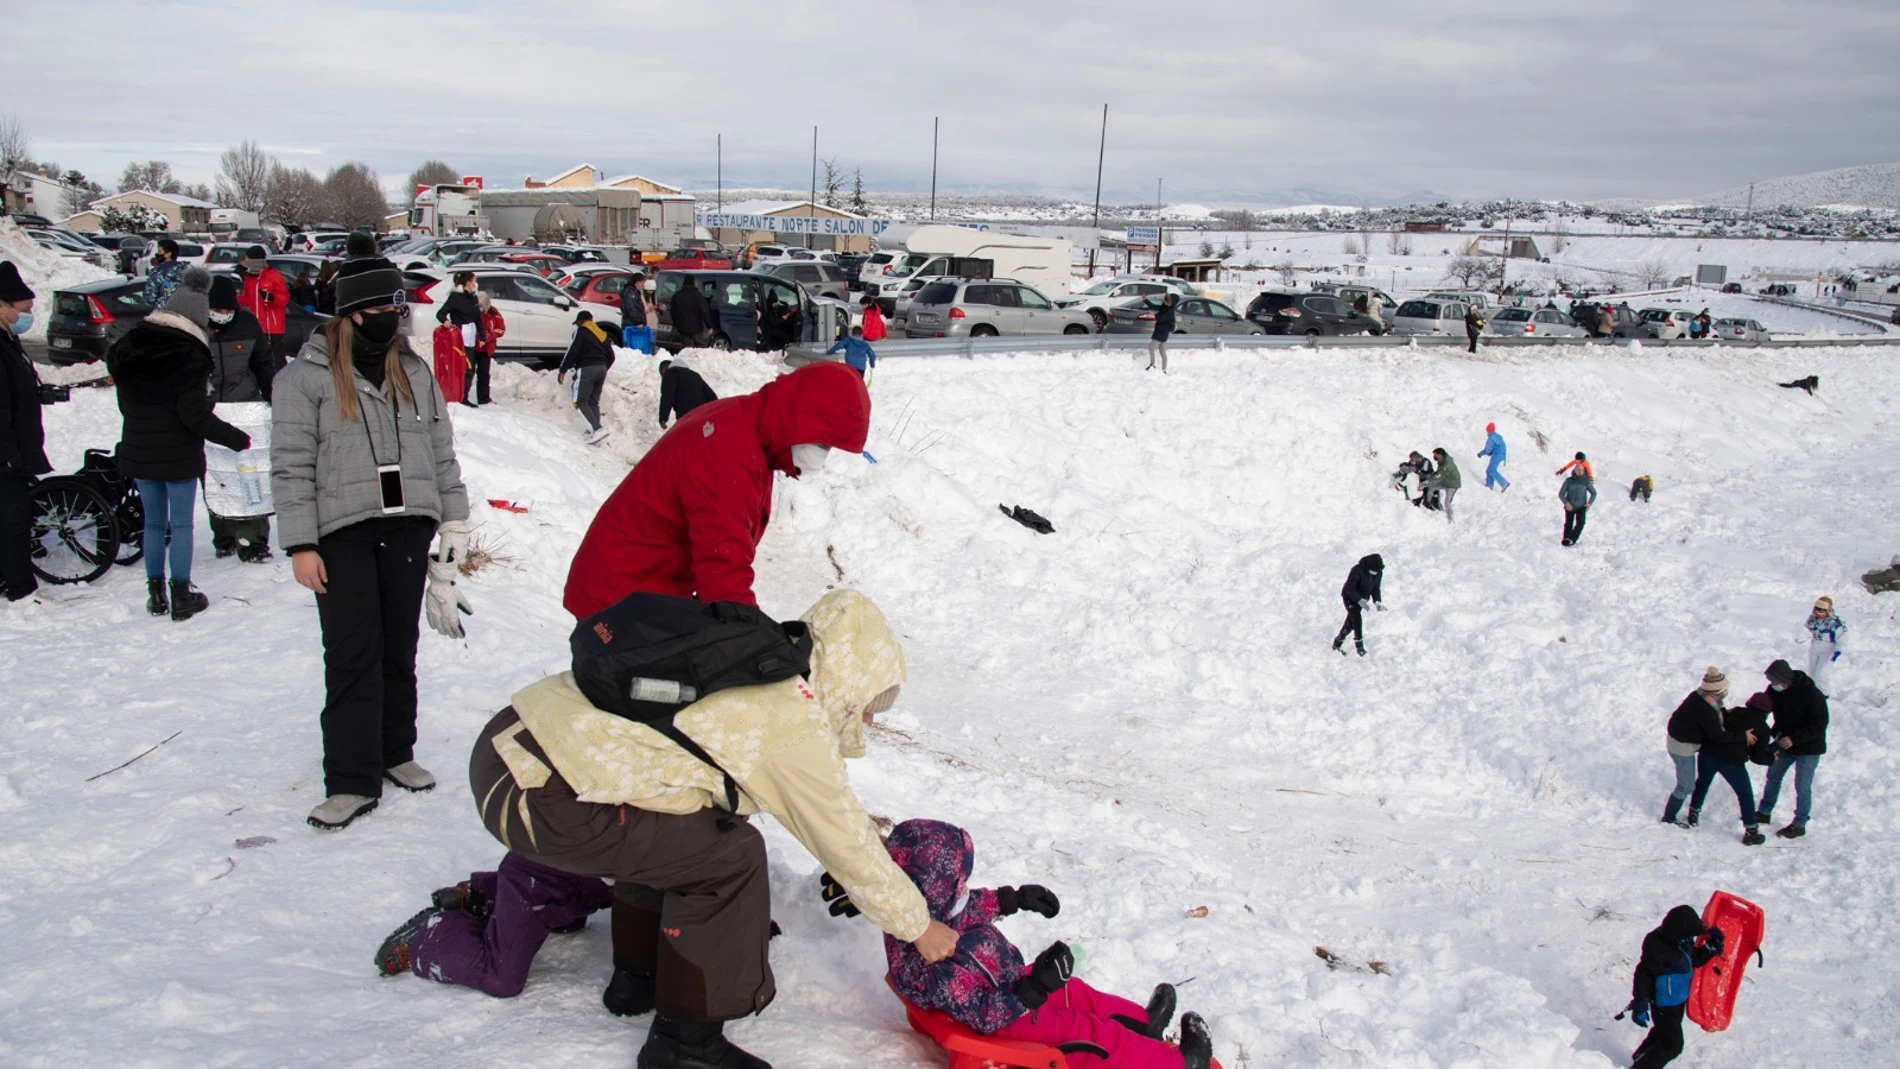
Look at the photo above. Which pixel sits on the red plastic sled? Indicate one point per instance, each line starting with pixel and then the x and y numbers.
pixel 1713 989
pixel 451 363
pixel 972 1050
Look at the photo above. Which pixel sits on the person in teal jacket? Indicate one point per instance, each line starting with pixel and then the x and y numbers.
pixel 1494 448
pixel 857 352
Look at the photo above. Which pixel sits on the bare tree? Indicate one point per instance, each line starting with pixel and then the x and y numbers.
pixel 1465 270
pixel 1351 246
pixel 1226 250
pixel 354 197
pixel 1394 242
pixel 1559 243
pixel 16 151
pixel 80 193
pixel 201 191
pixel 431 173
pixel 244 176
pixel 1405 247
pixel 293 196
pixel 152 175
pixel 1285 268
pixel 831 184
pixel 1653 274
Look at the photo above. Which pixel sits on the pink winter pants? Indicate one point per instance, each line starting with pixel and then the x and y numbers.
pixel 1079 1013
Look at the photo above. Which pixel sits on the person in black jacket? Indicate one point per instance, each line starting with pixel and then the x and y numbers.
pixel 681 391
pixel 691 318
pixel 22 438
pixel 464 312
pixel 1164 327
pixel 241 370
pixel 1362 585
pixel 588 356
pixel 1727 756
pixel 1696 723
pixel 163 369
pixel 1670 957
pixel 1801 739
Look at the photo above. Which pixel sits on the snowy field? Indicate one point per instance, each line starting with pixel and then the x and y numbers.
pixel 1140 711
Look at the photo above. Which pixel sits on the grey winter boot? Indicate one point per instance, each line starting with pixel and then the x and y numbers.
pixel 410 777
pixel 186 602
pixel 155 602
pixel 338 810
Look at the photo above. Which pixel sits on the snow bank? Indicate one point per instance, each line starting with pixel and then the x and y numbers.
pixel 1140 711
pixel 43 271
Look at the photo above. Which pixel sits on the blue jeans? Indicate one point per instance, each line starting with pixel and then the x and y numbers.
pixel 1804 767
pixel 1685 776
pixel 1737 776
pixel 168 512
pixel 1494 477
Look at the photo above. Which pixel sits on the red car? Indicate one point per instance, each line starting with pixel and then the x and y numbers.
pixel 600 287
pixel 542 263
pixel 693 260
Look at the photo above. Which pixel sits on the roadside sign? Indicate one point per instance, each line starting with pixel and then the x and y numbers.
pixel 1144 235
pixel 472 180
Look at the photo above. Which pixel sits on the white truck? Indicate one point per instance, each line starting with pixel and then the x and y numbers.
pixel 954 250
pixel 443 211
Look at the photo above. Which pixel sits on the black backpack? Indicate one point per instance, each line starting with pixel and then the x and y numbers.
pixel 626 654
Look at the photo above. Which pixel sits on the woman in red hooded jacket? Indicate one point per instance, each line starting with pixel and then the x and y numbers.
pixel 687 519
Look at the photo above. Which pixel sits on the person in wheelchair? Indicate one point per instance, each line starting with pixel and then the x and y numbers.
pixel 22 438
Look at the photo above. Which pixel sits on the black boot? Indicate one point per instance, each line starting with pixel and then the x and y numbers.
pixel 1197 1049
pixel 1694 818
pixel 1160 1014
pixel 1752 836
pixel 680 1045
pixel 462 897
pixel 628 994
pixel 1670 809
pixel 155 602
pixel 186 602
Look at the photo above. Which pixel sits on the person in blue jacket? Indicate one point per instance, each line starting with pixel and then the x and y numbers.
pixel 1671 955
pixel 1494 448
pixel 857 352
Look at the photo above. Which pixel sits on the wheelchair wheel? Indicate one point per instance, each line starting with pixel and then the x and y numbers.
pixel 130 514
pixel 75 538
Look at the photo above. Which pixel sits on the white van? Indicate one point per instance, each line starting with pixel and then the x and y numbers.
pixel 1040 262
pixel 1430 317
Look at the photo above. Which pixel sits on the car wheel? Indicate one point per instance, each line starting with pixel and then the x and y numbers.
pixel 722 343
pixel 1101 319
pixel 1075 328
pixel 1256 334
pixel 1312 332
pixel 982 330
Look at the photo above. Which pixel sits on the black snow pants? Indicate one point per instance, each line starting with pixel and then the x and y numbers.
pixel 1664 1041
pixel 692 902
pixel 371 616
pixel 1472 336
pixel 1573 525
pixel 1355 624
pixel 16 538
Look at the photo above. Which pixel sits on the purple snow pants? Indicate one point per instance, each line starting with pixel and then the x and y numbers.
pixel 528 900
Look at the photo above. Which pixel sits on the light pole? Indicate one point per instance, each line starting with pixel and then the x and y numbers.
pixel 1101 154
pixel 812 204
pixel 934 124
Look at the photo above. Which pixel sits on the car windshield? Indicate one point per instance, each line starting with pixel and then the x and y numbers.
pixel 1100 289
pixel 1730 323
pixel 1272 302
pixel 936 293
pixel 1418 310
pixel 1514 315
pixel 911 262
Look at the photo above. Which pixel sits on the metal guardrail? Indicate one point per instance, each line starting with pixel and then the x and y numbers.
pixel 1848 314
pixel 1083 343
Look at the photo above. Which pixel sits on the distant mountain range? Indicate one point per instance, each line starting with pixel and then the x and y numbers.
pixel 1873 185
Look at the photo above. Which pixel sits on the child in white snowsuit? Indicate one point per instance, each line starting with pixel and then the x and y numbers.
pixel 1826 635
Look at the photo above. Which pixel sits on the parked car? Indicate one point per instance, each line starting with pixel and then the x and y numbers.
pixel 738 302
pixel 88 318
pixel 1464 297
pixel 817 278
pixel 577 254
pixel 1666 324
pixel 1195 315
pixel 1627 324
pixel 1350 293
pixel 878 263
pixel 70 248
pixel 225 253
pixel 1739 330
pixel 777 254
pixel 1312 314
pixel 1533 323
pixel 540 317
pixel 981 308
pixel 900 304
pixel 688 259
pixel 1778 289
pixel 599 287
pixel 308 240
pixel 432 252
pixel 574 274
pixel 1102 298
pixel 1731 287
pixel 541 263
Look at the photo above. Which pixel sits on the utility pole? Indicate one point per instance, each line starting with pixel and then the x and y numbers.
pixel 1504 264
pixel 1101 154
pixel 719 169
pixel 813 203
pixel 1161 233
pixel 934 124
pixel 1748 213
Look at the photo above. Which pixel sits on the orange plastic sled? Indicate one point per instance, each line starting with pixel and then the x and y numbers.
pixel 972 1050
pixel 1713 989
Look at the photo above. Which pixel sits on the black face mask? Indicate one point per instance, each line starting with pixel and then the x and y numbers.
pixel 378 329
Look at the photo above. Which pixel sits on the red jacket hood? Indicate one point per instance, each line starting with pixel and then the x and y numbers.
pixel 819 404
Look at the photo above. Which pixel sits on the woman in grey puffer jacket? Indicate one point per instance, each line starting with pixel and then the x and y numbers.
pixel 364 475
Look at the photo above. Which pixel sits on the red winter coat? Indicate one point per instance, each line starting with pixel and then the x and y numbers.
pixel 874 323
pixel 688 518
pixel 493 327
pixel 270 311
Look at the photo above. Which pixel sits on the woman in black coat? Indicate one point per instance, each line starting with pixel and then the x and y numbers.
pixel 162 368
pixel 1164 327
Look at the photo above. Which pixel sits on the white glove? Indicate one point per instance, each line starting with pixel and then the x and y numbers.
pixel 452 544
pixel 444 599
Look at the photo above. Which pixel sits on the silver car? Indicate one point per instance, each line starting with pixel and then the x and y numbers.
pixel 1533 323
pixel 1196 315
pixel 816 277
pixel 987 307
pixel 1739 330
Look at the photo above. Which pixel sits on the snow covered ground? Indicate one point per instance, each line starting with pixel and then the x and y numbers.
pixel 1140 711
pixel 43 272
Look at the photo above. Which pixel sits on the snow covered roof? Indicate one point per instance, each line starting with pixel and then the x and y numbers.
pixel 174 198
pixel 776 207
pixel 578 168
pixel 627 179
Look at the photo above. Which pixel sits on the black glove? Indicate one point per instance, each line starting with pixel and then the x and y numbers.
pixel 1638 1011
pixel 1047 976
pixel 1030 896
pixel 834 893
pixel 1713 939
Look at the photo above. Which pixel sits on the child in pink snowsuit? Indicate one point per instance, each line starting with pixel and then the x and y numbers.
pixel 986 986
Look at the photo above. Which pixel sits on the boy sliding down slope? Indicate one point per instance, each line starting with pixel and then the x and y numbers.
pixel 986 986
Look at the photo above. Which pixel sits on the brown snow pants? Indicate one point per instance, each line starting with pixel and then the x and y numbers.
pixel 692 903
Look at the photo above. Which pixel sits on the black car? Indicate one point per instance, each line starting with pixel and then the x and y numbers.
pixel 1731 287
pixel 88 318
pixel 739 303
pixel 1627 324
pixel 1310 314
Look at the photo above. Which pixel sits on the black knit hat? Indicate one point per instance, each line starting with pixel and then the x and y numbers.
pixel 1780 672
pixel 224 294
pixel 358 245
pixel 12 286
pixel 368 283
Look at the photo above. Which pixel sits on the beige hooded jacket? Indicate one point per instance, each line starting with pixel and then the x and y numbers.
pixel 782 742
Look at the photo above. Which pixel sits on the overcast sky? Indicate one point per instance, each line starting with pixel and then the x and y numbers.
pixel 1229 101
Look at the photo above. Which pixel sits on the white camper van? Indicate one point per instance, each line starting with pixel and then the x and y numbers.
pixel 931 250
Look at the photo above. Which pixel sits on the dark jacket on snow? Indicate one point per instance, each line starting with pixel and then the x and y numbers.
pixel 1801 715
pixel 972 986
pixel 1578 492
pixel 688 309
pixel 1697 722
pixel 1734 748
pixel 163 372
pixel 1164 320
pixel 241 366
pixel 1363 581
pixel 681 391
pixel 460 308
pixel 1669 957
pixel 22 437
pixel 591 347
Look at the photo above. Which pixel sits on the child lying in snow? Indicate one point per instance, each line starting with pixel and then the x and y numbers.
pixel 986 986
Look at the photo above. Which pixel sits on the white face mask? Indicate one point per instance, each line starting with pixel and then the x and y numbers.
pixel 810 459
pixel 223 318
